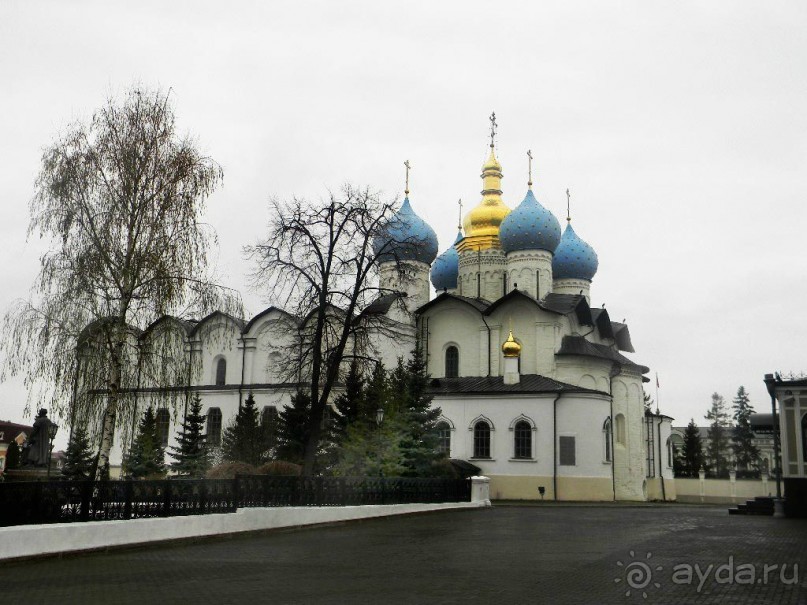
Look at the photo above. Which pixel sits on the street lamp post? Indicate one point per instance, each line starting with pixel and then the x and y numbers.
pixel 53 428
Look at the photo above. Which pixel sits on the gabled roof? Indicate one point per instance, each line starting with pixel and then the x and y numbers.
pixel 622 337
pixel 478 304
pixel 514 294
pixel 603 322
pixel 382 304
pixel 92 329
pixel 577 345
pixel 566 303
pixel 214 315
pixel 266 312
pixel 186 324
pixel 528 383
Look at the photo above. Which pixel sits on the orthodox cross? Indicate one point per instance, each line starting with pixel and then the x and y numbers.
pixel 568 202
pixel 459 222
pixel 408 167
pixel 529 169
pixel 492 128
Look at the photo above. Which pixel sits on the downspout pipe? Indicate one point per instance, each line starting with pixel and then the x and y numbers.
pixel 660 466
pixel 616 369
pixel 769 384
pixel 555 446
pixel 488 351
pixel 243 368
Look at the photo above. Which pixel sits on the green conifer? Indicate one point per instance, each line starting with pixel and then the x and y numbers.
pixel 78 458
pixel 191 455
pixel 146 458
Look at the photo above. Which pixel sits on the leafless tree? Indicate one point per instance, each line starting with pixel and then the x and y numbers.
pixel 320 263
pixel 119 200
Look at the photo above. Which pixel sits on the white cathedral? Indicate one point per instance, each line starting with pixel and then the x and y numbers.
pixel 532 382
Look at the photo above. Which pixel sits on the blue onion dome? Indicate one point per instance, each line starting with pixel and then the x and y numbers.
pixel 529 226
pixel 574 258
pixel 408 236
pixel 446 268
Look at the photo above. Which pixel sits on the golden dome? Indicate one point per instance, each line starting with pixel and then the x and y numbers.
pixel 511 348
pixel 481 224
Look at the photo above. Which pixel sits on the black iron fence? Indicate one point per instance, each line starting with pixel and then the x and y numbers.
pixel 23 503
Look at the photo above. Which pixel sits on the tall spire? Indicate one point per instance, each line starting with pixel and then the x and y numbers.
pixel 529 168
pixel 408 167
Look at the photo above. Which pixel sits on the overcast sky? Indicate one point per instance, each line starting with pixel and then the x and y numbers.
pixel 680 128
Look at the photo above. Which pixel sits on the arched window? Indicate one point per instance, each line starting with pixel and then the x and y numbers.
pixel 481 440
pixel 606 434
pixel 452 362
pixel 163 421
pixel 221 372
pixel 444 438
pixel 620 429
pixel 214 427
pixel 523 439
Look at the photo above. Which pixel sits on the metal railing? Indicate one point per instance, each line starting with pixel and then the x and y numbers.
pixel 24 503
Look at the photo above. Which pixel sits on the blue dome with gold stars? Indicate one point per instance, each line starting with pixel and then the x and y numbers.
pixel 574 258
pixel 446 268
pixel 406 237
pixel 529 226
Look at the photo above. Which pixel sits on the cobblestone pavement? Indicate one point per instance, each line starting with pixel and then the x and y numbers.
pixel 506 554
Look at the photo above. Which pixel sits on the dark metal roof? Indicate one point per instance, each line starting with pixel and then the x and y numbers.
pixel 761 423
pixel 382 304
pixel 480 304
pixel 603 322
pixel 566 303
pixel 577 345
pixel 236 320
pixel 528 383
pixel 265 312
pixel 513 294
pixel 622 337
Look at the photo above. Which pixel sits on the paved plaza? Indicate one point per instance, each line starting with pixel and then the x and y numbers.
pixel 506 554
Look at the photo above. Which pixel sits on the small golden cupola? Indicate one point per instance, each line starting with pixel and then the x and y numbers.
pixel 481 224
pixel 511 348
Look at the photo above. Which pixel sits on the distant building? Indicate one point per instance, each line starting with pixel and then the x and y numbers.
pixel 11 431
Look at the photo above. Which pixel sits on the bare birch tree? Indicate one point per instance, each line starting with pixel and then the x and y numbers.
pixel 119 200
pixel 320 262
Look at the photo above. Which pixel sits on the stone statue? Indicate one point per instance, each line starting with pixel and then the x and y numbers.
pixel 37 448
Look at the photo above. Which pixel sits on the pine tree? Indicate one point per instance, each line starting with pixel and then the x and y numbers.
pixel 292 430
pixel 191 455
pixel 12 455
pixel 372 450
pixel 78 458
pixel 244 439
pixel 146 458
pixel 717 445
pixel 419 444
pixel 648 403
pixel 692 451
pixel 745 452
pixel 347 404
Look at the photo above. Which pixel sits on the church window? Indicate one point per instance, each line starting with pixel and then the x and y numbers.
pixel 221 372
pixel 214 427
pixel 163 421
pixel 606 433
pixel 567 451
pixel 620 429
pixel 444 438
pixel 481 440
pixel 452 362
pixel 523 439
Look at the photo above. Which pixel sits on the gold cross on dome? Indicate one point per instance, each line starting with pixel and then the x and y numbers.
pixel 408 167
pixel 529 169
pixel 493 127
pixel 459 222
pixel 568 203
